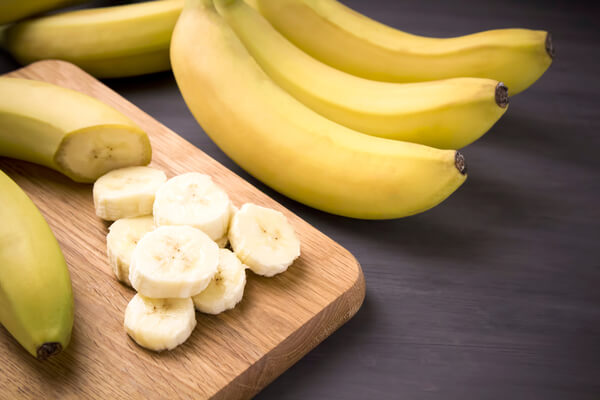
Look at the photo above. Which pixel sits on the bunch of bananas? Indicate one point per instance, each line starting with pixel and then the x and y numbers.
pixel 319 102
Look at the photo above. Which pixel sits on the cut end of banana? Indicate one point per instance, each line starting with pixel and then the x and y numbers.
pixel 263 239
pixel 173 262
pixel 127 192
pixel 123 236
pixel 226 287
pixel 193 199
pixel 159 324
pixel 89 153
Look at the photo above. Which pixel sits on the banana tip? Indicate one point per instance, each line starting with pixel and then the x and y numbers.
pixel 460 163
pixel 550 46
pixel 48 349
pixel 501 95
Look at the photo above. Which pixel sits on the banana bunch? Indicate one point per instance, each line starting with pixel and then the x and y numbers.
pixel 109 42
pixel 351 42
pixel 165 244
pixel 68 131
pixel 36 300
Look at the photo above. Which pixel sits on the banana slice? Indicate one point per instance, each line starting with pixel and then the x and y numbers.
pixel 226 288
pixel 193 199
pixel 127 192
pixel 159 324
pixel 263 239
pixel 173 261
pixel 123 236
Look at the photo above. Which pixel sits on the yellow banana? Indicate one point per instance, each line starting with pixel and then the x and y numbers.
pixel 14 10
pixel 68 131
pixel 347 40
pixel 290 147
pixel 446 114
pixel 36 300
pixel 108 42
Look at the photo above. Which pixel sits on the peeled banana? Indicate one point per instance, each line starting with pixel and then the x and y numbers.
pixel 127 192
pixel 226 288
pixel 351 42
pixel 36 300
pixel 159 324
pixel 173 262
pixel 14 10
pixel 109 42
pixel 290 147
pixel 446 114
pixel 263 239
pixel 68 131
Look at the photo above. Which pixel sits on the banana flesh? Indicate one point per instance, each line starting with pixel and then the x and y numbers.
pixel 110 42
pixel 290 147
pixel 159 324
pixel 68 131
pixel 173 262
pixel 351 42
pixel 193 199
pixel 446 114
pixel 14 10
pixel 263 239
pixel 127 192
pixel 36 300
pixel 123 236
pixel 226 288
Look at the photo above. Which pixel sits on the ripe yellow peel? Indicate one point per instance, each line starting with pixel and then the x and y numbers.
pixel 36 301
pixel 446 114
pixel 369 49
pixel 288 146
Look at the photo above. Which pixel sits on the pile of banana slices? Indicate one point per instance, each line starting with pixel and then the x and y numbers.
pixel 169 242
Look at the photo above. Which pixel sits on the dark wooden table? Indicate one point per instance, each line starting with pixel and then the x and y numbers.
pixel 495 294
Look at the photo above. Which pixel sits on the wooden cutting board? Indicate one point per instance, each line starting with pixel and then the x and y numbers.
pixel 232 355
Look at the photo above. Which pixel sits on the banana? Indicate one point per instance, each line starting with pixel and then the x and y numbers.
pixel 123 236
pixel 110 42
pixel 68 131
pixel 193 199
pixel 445 114
pixel 173 262
pixel 159 324
pixel 263 239
pixel 351 42
pixel 226 288
pixel 290 147
pixel 36 299
pixel 127 192
pixel 14 10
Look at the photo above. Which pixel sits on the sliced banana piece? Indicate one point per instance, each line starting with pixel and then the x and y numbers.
pixel 173 261
pixel 226 288
pixel 123 236
pixel 159 324
pixel 263 239
pixel 127 192
pixel 193 199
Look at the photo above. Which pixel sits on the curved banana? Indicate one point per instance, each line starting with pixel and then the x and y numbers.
pixel 347 40
pixel 36 299
pixel 66 130
pixel 107 42
pixel 290 147
pixel 14 10
pixel 446 114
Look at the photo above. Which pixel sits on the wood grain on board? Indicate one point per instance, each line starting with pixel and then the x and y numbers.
pixel 232 355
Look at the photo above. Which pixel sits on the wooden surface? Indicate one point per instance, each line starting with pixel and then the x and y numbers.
pixel 232 355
